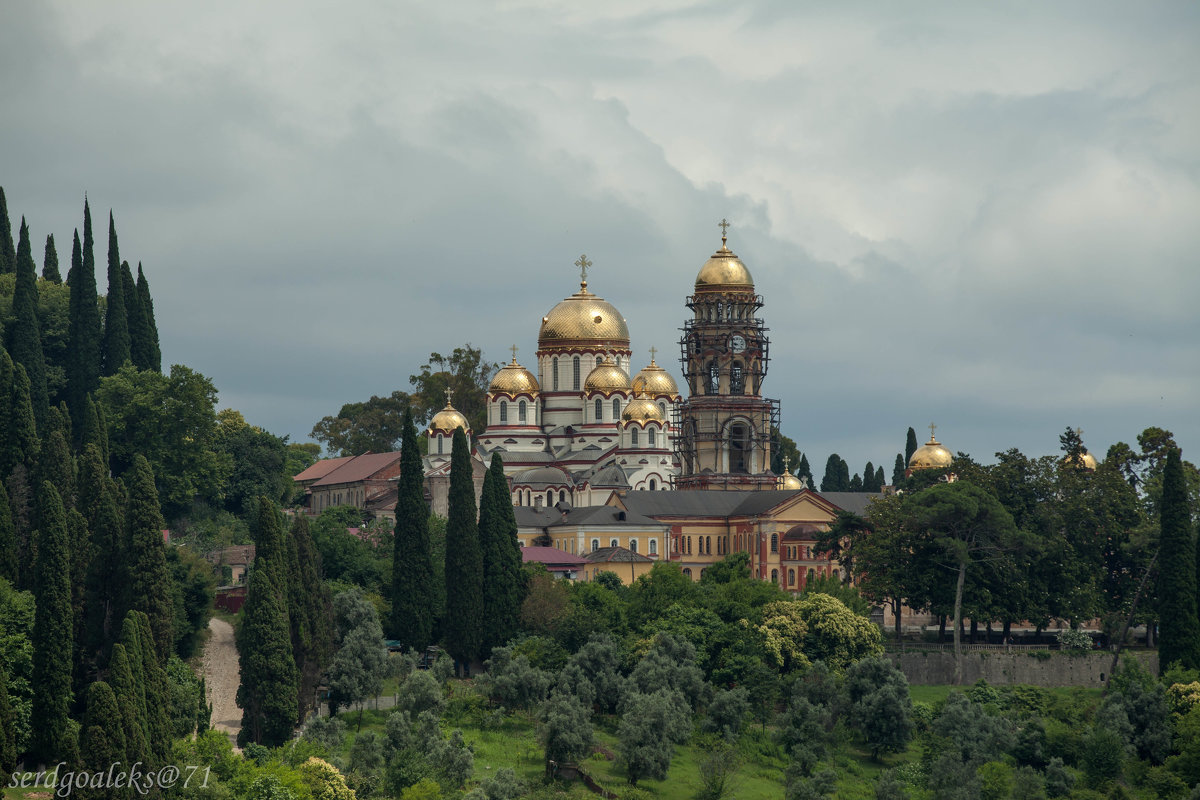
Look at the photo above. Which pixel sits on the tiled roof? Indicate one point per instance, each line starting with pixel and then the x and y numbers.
pixel 359 468
pixel 551 517
pixel 855 502
pixel 717 503
pixel 550 556
pixel 616 554
pixel 322 468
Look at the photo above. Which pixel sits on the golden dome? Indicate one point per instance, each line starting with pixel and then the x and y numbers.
pixel 514 379
pixel 1086 462
pixel 789 482
pixel 931 456
pixel 643 410
pixel 448 419
pixel 724 272
pixel 606 377
pixel 654 381
pixel 583 319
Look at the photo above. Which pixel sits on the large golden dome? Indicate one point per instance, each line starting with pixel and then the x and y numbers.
pixel 448 419
pixel 643 410
pixel 789 482
pixel 583 319
pixel 931 456
pixel 724 272
pixel 606 377
pixel 513 380
pixel 655 381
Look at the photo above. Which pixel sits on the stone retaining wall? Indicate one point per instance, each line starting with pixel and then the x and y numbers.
pixel 1003 669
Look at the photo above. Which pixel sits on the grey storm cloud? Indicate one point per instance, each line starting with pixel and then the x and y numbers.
pixel 980 216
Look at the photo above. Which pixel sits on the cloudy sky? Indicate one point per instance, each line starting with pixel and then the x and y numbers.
pixel 982 215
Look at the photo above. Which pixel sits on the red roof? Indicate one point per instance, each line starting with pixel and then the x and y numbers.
pixel 359 468
pixel 551 557
pixel 322 468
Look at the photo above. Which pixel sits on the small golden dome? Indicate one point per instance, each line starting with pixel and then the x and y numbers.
pixel 724 272
pixel 606 377
pixel 643 410
pixel 513 380
pixel 931 456
pixel 446 420
pixel 583 319
pixel 1086 462
pixel 655 381
pixel 789 482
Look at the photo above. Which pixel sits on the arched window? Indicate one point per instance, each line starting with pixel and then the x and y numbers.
pixel 554 371
pixel 774 542
pixel 550 497
pixel 654 547
pixel 528 497
pixel 687 573
pixel 599 409
pixel 774 576
pixel 562 495
pixel 613 543
pixel 503 411
pixel 791 577
pixel 575 373
pixel 653 486
pixel 811 573
pixel 521 411
pixel 708 545
pixel 439 444
pixel 633 436
pixel 653 438
pixel 674 544
pixel 616 409
pixel 599 360
pixel 595 545
pixel 633 545
pixel 663 408
pixel 714 378
pixel 737 381
pixel 739 448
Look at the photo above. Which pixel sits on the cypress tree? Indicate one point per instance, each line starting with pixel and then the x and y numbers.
pixel 83 351
pixel 843 475
pixel 309 614
pixel 116 319
pixel 52 646
pixel 94 432
pixel 8 739
pixel 56 464
pixel 503 587
pixel 1179 627
pixel 269 683
pixel 880 480
pixel 131 644
pixel 856 484
pixel 8 256
pixel 270 544
pixel 412 565
pixel 868 478
pixel 131 700
pixel 805 471
pixel 139 333
pixel 158 690
pixel 50 262
pixel 105 572
pixel 464 563
pixel 24 336
pixel 152 355
pixel 80 555
pixel 910 445
pixel 148 578
pixel 101 743
pixel 23 445
pixel 9 563
pixel 898 470
pixel 6 394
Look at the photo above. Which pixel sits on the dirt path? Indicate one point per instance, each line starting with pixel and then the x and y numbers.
pixel 222 677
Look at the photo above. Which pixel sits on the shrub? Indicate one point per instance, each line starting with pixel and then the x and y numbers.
pixel 1074 640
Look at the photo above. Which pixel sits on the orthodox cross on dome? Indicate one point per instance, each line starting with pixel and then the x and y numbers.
pixel 787 463
pixel 932 427
pixel 724 226
pixel 448 397
pixel 514 352
pixel 583 265
pixel 653 351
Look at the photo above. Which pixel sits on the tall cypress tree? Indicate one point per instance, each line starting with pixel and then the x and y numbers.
pixel 269 682
pixel 24 336
pixel 50 262
pixel 880 480
pixel 1179 627
pixel 309 613
pixel 149 579
pixel 868 478
pixel 105 574
pixel 910 445
pixel 94 431
pixel 101 743
pixel 898 470
pixel 9 545
pixel 51 630
pixel 412 565
pixel 6 394
pixel 116 317
pixel 56 464
pixel 158 690
pixel 22 443
pixel 83 328
pixel 131 642
pixel 8 738
pixel 131 700
pixel 503 584
pixel 805 471
pixel 82 667
pixel 464 563
pixel 152 355
pixel 8 256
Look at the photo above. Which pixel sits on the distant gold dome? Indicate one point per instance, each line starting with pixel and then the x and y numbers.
pixel 643 410
pixel 931 455
pixel 583 319
pixel 607 377
pixel 655 381
pixel 448 419
pixel 1086 462
pixel 513 380
pixel 724 272
pixel 789 482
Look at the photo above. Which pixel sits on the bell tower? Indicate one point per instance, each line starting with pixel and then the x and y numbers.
pixel 726 427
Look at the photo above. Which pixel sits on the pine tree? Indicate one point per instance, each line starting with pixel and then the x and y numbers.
pixel 51 630
pixel 83 325
pixel 464 564
pixel 8 740
pixel 50 262
pixel 101 743
pixel 24 336
pixel 910 445
pixel 152 354
pixel 9 563
pixel 898 470
pixel 501 598
pixel 412 566
pixel 267 694
pixel 116 317
pixel 1179 627
pixel 8 256
pixel 148 578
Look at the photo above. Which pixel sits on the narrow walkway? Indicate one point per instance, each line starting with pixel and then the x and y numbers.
pixel 222 677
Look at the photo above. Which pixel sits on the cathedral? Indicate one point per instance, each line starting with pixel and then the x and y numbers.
pixel 578 424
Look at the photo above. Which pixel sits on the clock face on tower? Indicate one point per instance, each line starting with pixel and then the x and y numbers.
pixel 737 343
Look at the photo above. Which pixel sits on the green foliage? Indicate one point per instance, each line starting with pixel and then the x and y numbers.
pixel 717 769
pixel 257 459
pixel 566 730
pixel 465 373
pixel 310 612
pixel 413 577
pixel 650 728
pixel 1137 704
pixel 52 630
pixel 8 254
pixel 193 588
pixel 835 634
pixel 880 706
pixel 375 426
pixel 419 692
pixel 115 348
pixel 837 475
pixel 727 713
pixel 515 683
pixel 324 781
pixel 23 338
pixel 463 625
pixel 500 551
pixel 1179 626
pixel 9 562
pixel 670 664
pixel 149 580
pixel 360 664
pixel 664 585
pixel 890 787
pixel 84 339
pixel 834 587
pixel 1103 756
pixel 145 349
pixel 1073 639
